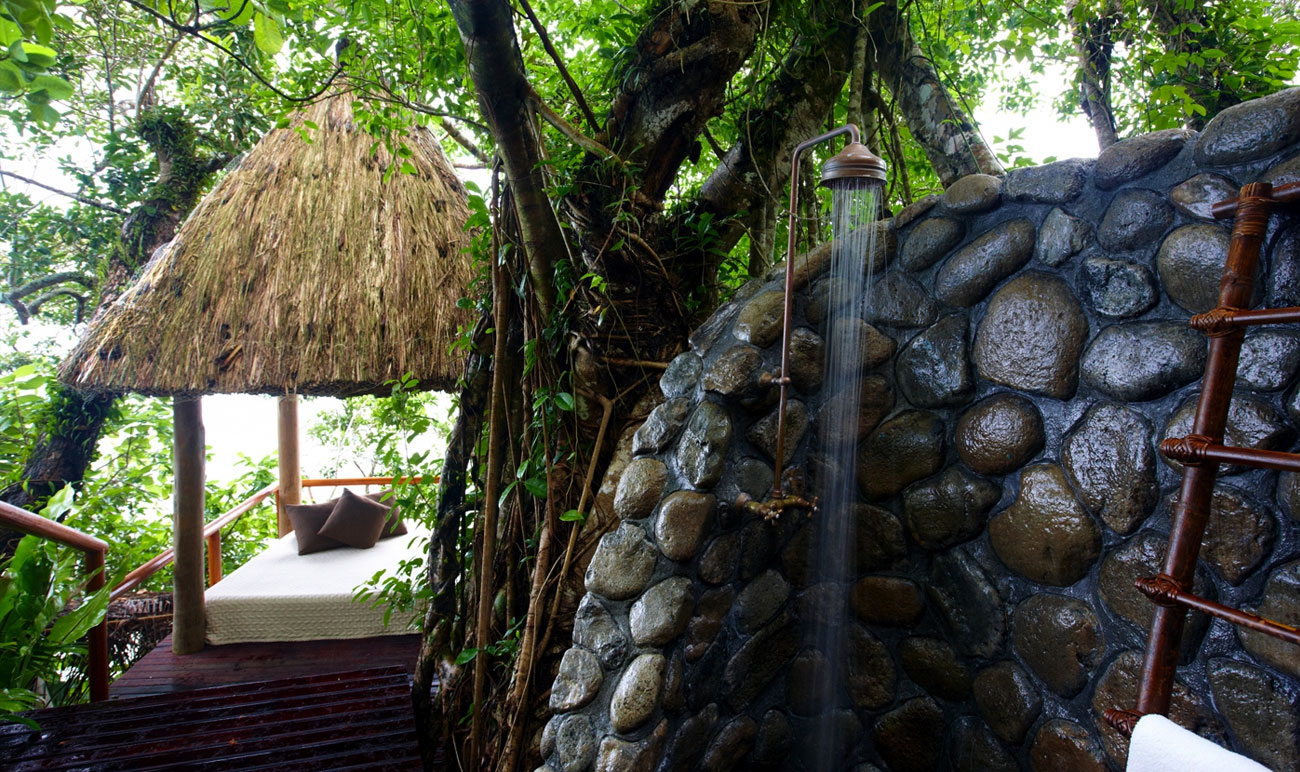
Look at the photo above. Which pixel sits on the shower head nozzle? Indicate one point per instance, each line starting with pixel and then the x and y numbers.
pixel 854 162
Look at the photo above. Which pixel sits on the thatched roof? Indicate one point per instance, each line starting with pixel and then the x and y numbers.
pixel 302 270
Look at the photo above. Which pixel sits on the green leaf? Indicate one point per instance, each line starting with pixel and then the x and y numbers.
pixel 266 34
pixel 536 486
pixel 573 516
pixel 564 400
pixel 466 656
pixel 56 87
pixel 236 12
pixel 11 78
pixel 38 55
pixel 408 168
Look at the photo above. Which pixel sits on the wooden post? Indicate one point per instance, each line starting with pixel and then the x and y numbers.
pixel 290 472
pixel 187 526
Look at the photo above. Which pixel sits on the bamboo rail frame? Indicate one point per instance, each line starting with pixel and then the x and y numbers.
pixel 94 550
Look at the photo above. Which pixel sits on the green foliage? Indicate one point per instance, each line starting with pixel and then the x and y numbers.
pixel 40 654
pixel 27 29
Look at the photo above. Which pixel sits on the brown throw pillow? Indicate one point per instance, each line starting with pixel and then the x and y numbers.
pixel 307 520
pixel 356 521
pixel 394 526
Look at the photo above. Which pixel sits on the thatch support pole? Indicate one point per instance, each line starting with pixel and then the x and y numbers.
pixel 187 526
pixel 290 471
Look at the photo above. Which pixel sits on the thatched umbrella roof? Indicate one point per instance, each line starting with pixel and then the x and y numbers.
pixel 303 270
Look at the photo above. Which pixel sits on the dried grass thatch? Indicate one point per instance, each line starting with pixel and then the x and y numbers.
pixel 303 270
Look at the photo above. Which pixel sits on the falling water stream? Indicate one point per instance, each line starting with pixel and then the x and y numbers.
pixel 853 212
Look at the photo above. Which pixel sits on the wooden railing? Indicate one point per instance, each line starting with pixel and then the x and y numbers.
pixel 27 522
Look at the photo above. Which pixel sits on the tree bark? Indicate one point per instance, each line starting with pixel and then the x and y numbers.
pixel 937 122
pixel 1093 44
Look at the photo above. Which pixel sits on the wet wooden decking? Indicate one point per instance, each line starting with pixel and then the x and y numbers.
pixel 162 672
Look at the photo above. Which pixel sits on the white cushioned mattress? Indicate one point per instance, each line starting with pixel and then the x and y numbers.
pixel 283 596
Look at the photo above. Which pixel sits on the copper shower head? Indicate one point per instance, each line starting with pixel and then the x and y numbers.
pixel 854 162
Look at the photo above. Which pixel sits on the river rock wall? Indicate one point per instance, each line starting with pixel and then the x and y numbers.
pixel 1027 351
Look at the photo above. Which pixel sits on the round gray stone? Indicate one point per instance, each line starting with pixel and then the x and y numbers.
pixel 1252 423
pixel 1137 157
pixel 1109 459
pixel 1269 360
pixel 913 211
pixel 735 372
pixel 702 449
pixel 1196 196
pixel 999 434
pixel 622 564
pixel 897 300
pixel 1118 288
pixel 682 375
pixel 639 488
pixel 575 743
pixel 1260 709
pixel 759 602
pixel 577 681
pixel 948 509
pixel 661 614
pixel 1283 173
pixel 1288 494
pixel 1031 336
pixel 594 628
pixel 968 276
pixel 1134 218
pixel 661 426
pixel 637 694
pixel 1055 183
pixel 1251 130
pixel 1280 603
pixel 718 563
pixel 1190 263
pixel 933 665
pixel 1138 361
pixel 1046 535
pixel 763 432
pixel 933 369
pixel 929 241
pixel 973 193
pixel 1008 699
pixel 874 399
pixel 1060 639
pixel 900 451
pixel 807 359
pixel 968 604
pixel 760 320
pixel 680 523
pixel 1238 535
pixel 1283 276
pixel 1061 237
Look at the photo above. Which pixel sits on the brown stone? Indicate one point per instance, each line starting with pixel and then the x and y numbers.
pixel 1046 535
pixel 760 600
pixel 873 346
pixel 1252 423
pixel 623 756
pixel 973 748
pixel 887 600
pixel 807 359
pixel 1117 688
pixel 1281 603
pixel 731 745
pixel 1238 535
pixel 1144 555
pixel 1008 700
pixel 871 672
pixel 681 521
pixel 758 661
pixel 1260 710
pixel 760 320
pixel 762 433
pixel 1064 746
pixel 973 193
pixel 661 614
pixel 1060 639
pixel 1031 336
pixel 999 434
pixel 1108 457
pixel 808 682
pixel 913 211
pixel 773 740
pixel 718 563
pixel 933 666
pixel 900 451
pixel 949 508
pixel 622 564
pixel 711 609
pixel 879 538
pixel 1133 158
pixel 735 371
pixel 637 694
pixel 688 744
pixel 639 488
pixel 968 603
pixel 907 736
pixel 821 604
pixel 1190 263
pixel 929 241
pixel 674 698
pixel 875 401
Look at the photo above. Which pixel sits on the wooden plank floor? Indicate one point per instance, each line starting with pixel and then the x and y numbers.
pixel 161 672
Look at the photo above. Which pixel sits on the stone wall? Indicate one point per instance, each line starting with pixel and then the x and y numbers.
pixel 1027 351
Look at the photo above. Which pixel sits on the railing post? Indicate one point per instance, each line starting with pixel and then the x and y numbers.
pixel 98 644
pixel 214 557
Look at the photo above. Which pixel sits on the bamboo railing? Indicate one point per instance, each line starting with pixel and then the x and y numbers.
pixel 30 523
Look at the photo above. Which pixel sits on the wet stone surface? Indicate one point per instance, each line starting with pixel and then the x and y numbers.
pixel 887 600
pixel 1190 263
pixel 622 564
pixel 901 301
pixel 948 509
pixel 1054 183
pixel 773 738
pixel 905 736
pixel 875 348
pixel 1281 603
pixel 1260 710
pixel 1061 237
pixel 875 400
pixel 1060 639
pixel 971 273
pixel 661 426
pixel 577 681
pixel 1283 173
pixel 1269 360
pixel 1046 534
pixel 1251 130
pixel 1133 158
pixel 929 242
pixel 968 604
pixel 900 451
pixel 735 372
pixel 1283 278
pixel 1143 555
pixel 1118 288
pixel 807 359
pixel 710 612
pixel 661 614
pixel 757 662
pixel 688 744
pixel 1196 196
pixel 1239 534
pixel 760 601
pixel 575 743
pixel 637 693
pixel 973 748
pixel 872 675
pixel 759 321
pixel 1008 700
pixel 681 521
pixel 999 434
pixel 729 748
pixel 639 488
pixel 973 193
pixel 1252 423
pixel 1138 361
pixel 1064 746
pixel 718 563
pixel 594 628
pixel 682 375
pixel 763 432
pixel 933 369
pixel 932 664
pixel 702 450
pixel 1134 218
pixel 1109 459
pixel 1031 336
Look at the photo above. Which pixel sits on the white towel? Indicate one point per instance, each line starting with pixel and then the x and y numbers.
pixel 1160 745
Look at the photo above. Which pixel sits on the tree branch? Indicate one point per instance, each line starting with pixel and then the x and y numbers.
pixel 74 196
pixel 538 27
pixel 466 143
pixel 569 130
pixel 34 307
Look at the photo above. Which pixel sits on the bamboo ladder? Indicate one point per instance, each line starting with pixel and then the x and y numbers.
pixel 1203 450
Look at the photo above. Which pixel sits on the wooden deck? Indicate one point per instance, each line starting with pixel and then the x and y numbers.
pixel 162 672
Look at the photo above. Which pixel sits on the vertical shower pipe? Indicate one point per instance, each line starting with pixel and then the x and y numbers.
pixel 854 136
pixel 1254 206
